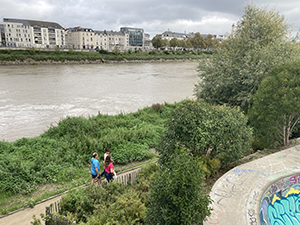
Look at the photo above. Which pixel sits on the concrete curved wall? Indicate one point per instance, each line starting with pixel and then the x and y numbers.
pixel 280 202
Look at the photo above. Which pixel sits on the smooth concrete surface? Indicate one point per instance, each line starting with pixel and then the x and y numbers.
pixel 238 193
pixel 24 217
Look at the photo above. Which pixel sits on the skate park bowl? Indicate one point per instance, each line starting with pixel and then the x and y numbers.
pixel 280 202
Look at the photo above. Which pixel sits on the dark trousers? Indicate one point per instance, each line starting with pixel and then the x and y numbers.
pixel 108 176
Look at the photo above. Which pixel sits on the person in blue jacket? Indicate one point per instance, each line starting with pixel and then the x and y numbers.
pixel 95 168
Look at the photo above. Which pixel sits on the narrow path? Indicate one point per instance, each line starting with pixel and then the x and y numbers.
pixel 238 195
pixel 24 216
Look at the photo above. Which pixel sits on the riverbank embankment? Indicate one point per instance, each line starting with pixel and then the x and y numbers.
pixel 30 61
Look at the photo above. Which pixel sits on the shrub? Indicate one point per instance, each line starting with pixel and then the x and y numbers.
pixel 116 52
pixel 158 107
pixel 218 131
pixel 115 203
pixel 32 51
pixel 177 193
pixel 128 209
pixel 153 52
pixel 56 50
pixel 103 51
pixel 71 51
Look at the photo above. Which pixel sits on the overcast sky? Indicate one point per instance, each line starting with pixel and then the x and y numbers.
pixel 154 16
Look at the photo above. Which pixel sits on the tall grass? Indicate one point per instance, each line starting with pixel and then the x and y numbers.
pixel 62 151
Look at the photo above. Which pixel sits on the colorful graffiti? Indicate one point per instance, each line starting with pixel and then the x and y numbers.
pixel 280 204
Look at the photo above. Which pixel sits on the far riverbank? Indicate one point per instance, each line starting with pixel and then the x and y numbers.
pixel 30 61
pixel 42 57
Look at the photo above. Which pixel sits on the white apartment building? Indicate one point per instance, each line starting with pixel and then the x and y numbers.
pixel 147 41
pixel 31 33
pixel 180 36
pixel 16 35
pixel 80 38
pixel 116 40
pixel 87 38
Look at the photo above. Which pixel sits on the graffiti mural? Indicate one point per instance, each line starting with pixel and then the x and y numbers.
pixel 280 203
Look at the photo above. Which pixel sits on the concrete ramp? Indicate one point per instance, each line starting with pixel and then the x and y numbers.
pixel 264 191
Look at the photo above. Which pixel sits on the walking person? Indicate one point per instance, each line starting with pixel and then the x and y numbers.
pixel 107 151
pixel 95 168
pixel 109 168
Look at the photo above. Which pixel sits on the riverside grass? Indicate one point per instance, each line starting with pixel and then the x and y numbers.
pixel 61 155
pixel 40 55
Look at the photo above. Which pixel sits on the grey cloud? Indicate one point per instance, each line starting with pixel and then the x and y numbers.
pixel 155 16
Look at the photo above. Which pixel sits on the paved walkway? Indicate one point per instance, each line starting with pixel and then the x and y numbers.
pixel 238 194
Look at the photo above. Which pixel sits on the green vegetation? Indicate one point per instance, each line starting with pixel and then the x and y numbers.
pixel 57 55
pixel 218 131
pixel 178 193
pixel 116 203
pixel 260 41
pixel 195 42
pixel 62 154
pixel 276 106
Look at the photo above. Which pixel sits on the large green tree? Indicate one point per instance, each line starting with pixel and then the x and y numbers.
pixel 197 41
pixel 210 42
pixel 276 105
pixel 174 42
pixel 260 41
pixel 157 41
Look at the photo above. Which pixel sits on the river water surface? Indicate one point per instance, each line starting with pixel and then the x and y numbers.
pixel 33 97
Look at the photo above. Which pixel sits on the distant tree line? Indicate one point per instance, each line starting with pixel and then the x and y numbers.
pixel 195 42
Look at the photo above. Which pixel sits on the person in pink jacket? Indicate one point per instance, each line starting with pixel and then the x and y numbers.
pixel 108 168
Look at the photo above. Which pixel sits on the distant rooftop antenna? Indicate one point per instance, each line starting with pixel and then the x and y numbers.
pixel 232 28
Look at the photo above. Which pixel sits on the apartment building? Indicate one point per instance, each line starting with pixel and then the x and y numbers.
pixel 87 38
pixel 31 33
pixel 117 40
pixel 180 36
pixel 135 37
pixel 80 38
pixel 16 35
pixel 147 41
pixel 101 40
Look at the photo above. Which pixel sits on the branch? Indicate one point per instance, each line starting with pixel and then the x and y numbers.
pixel 295 123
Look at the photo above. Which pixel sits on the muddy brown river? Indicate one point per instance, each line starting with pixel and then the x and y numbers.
pixel 34 96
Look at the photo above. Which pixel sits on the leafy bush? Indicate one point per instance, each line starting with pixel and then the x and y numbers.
pixel 103 51
pixel 71 51
pixel 209 166
pixel 32 50
pixel 57 50
pixel 158 107
pixel 128 209
pixel 153 52
pixel 115 203
pixel 130 153
pixel 177 193
pixel 218 131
